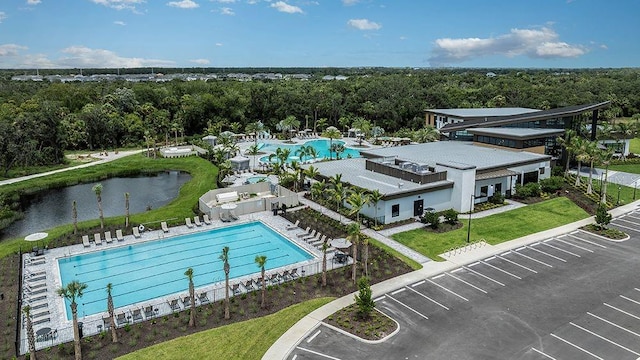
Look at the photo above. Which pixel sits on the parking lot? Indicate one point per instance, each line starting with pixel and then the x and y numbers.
pixel 574 296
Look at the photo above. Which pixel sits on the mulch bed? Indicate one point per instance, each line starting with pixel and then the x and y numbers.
pixel 382 266
pixel 609 233
pixel 376 327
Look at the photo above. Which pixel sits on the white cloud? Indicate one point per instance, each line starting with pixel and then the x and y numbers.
pixel 2 16
pixel 201 61
pixel 121 23
pixel 603 46
pixel 33 2
pixel 227 11
pixel 286 8
pixel 349 2
pixel 82 56
pixel 364 24
pixel 11 49
pixel 184 4
pixel 533 43
pixel 218 44
pixel 120 4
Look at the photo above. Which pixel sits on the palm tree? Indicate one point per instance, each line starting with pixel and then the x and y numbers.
pixel 365 254
pixel 261 260
pixel 332 133
pixel 74 213
pixel 339 193
pixel 97 188
pixel 592 154
pixel 426 134
pixel 126 210
pixel 30 336
pixel 311 172
pixel 567 142
pixel 110 309
pixel 224 169
pixel 298 175
pixel 363 125
pixel 70 292
pixel 605 159
pixel 357 200
pixel 325 247
pixel 287 124
pixel 256 128
pixel 338 149
pixel 317 189
pixel 192 296
pixel 579 148
pixel 374 197
pixel 353 231
pixel 253 150
pixel 225 260
pixel 625 131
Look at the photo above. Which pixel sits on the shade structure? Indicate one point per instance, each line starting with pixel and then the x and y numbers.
pixel 36 236
pixel 340 243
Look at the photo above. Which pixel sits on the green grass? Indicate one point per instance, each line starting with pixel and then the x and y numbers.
pixel 246 340
pixel 496 228
pixel 203 179
pixel 407 260
pixel 634 146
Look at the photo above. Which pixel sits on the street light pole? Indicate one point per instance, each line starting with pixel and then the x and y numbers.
pixel 635 186
pixel 618 202
pixel 469 227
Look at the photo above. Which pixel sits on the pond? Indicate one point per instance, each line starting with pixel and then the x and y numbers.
pixel 53 207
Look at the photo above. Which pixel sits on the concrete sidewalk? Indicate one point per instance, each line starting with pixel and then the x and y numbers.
pixel 290 339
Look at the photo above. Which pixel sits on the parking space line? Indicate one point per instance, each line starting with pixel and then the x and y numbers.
pixel 461 280
pixel 625 220
pixel 419 283
pixel 549 255
pixel 622 311
pixel 563 250
pixel 484 276
pixel 587 241
pixel 397 291
pixel 317 353
pixel 379 298
pixel 629 299
pixel 457 270
pixel 504 271
pixel 408 307
pixel 313 336
pixel 543 354
pixel 605 339
pixel 428 298
pixel 444 288
pixel 625 227
pixel 437 276
pixel 636 289
pixel 295 356
pixel 576 346
pixel 515 263
pixel 614 324
pixel 474 264
pixel 574 245
pixel 532 259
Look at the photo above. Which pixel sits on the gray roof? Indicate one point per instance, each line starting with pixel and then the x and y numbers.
pixel 458 154
pixel 516 132
pixel 482 112
pixel 353 172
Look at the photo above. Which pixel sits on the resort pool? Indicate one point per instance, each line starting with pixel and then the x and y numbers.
pixel 153 269
pixel 255 179
pixel 321 146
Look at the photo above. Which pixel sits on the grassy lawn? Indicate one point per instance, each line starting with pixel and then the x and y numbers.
pixel 407 260
pixel 496 228
pixel 243 341
pixel 203 179
pixel 634 146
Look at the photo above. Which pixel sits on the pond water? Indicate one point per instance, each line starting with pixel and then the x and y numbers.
pixel 54 207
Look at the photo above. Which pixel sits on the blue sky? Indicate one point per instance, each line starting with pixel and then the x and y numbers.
pixel 319 33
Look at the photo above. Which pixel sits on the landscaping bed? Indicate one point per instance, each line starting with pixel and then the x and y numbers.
pixel 376 327
pixel 609 233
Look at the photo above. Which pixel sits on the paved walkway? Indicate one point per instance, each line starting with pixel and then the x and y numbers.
pixel 511 204
pixel 283 346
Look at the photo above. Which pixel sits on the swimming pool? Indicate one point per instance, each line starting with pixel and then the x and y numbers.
pixel 255 179
pixel 321 146
pixel 153 269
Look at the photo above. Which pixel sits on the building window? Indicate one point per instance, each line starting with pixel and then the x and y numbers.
pixel 484 190
pixel 541 171
pixel 395 210
pixel 498 188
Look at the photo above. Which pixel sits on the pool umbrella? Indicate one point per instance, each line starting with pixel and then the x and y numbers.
pixel 340 243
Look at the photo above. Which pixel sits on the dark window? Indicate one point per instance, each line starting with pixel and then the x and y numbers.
pixel 541 171
pixel 498 188
pixel 484 190
pixel 395 210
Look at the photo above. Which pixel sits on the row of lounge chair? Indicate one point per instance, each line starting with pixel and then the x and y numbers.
pixel 97 238
pixel 196 221
pixel 303 135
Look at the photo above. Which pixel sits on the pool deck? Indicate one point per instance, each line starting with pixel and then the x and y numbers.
pixel 41 279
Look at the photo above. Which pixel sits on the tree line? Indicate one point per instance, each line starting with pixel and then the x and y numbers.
pixel 40 120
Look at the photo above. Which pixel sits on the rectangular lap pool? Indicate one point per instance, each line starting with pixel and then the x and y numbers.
pixel 153 269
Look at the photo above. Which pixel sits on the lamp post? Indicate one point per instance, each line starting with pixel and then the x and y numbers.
pixel 618 202
pixel 635 186
pixel 469 226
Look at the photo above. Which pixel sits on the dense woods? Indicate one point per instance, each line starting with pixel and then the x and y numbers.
pixel 39 120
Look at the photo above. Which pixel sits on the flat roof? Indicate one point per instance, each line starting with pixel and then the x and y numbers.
pixel 354 172
pixel 482 112
pixel 516 132
pixel 458 154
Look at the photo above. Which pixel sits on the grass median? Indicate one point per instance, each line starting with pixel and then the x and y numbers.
pixel 496 228
pixel 246 340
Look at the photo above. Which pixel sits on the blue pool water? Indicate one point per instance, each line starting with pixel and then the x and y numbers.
pixel 149 270
pixel 255 179
pixel 321 146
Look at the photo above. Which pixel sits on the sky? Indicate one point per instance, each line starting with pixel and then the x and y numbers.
pixel 319 33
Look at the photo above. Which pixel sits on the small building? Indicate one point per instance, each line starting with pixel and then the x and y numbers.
pixel 239 163
pixel 210 139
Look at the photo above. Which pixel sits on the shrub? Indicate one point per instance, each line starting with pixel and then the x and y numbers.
pixel 450 216
pixel 364 301
pixel 557 171
pixel 551 184
pixel 497 198
pixel 528 190
pixel 431 218
pixel 603 218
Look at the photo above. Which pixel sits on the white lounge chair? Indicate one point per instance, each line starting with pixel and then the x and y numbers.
pixel 136 232
pixel 306 232
pixel 119 235
pixel 196 220
pixel 85 241
pixel 97 239
pixel 107 236
pixel 294 225
pixel 188 222
pixel 164 226
pixel 206 219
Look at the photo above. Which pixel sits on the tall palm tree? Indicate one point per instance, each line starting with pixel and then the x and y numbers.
pixel 256 127
pixel 353 231
pixel 225 260
pixel 287 124
pixel 261 261
pixel 126 210
pixel 192 296
pixel 426 134
pixel 357 200
pixel 317 189
pixel 97 188
pixel 605 159
pixel 338 149
pixel 332 133
pixel 339 193
pixel 71 292
pixel 30 336
pixel 625 131
pixel 363 125
pixel 110 309
pixel 365 254
pixel 592 154
pixel 311 172
pixel 374 197
pixel 298 174
pixel 254 151
pixel 579 148
pixel 567 142
pixel 74 213
pixel 325 247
